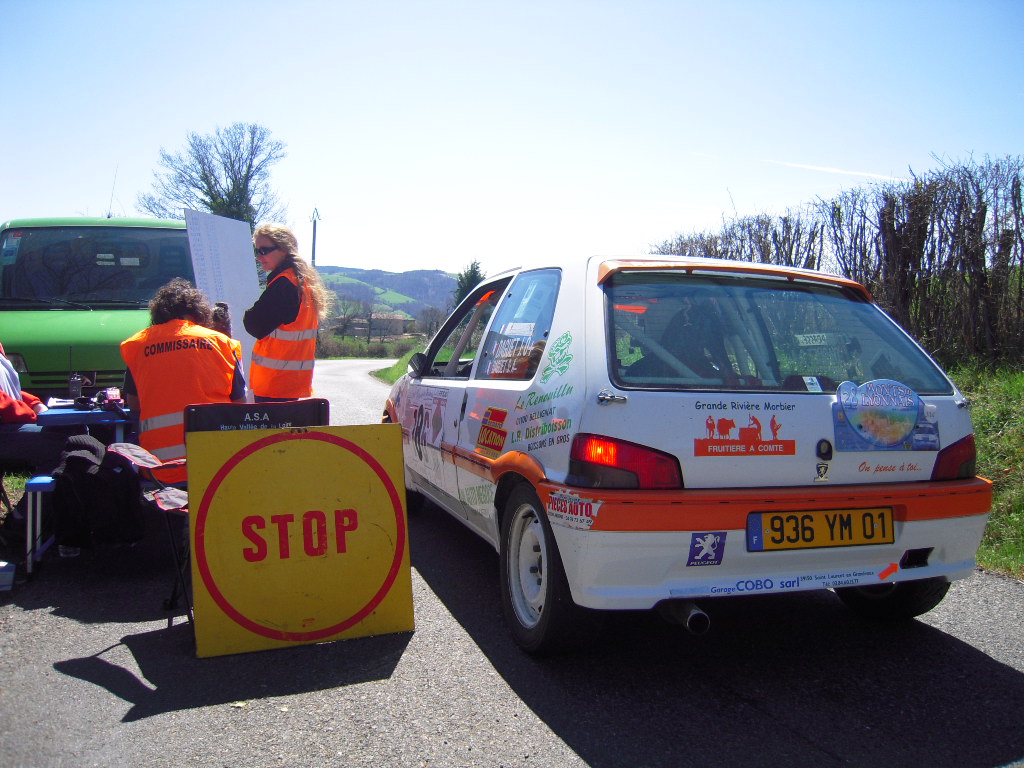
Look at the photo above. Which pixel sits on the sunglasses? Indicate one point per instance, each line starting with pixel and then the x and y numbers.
pixel 268 249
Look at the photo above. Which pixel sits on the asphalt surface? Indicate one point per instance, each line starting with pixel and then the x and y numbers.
pixel 92 674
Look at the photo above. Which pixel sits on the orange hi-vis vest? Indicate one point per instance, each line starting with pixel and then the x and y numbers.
pixel 282 362
pixel 175 364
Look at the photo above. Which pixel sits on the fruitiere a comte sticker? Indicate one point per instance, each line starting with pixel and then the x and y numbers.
pixel 724 437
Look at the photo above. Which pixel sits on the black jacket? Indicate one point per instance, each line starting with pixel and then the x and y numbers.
pixel 278 305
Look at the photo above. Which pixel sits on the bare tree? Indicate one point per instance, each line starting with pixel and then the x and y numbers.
pixel 367 312
pixel 431 319
pixel 850 233
pixel 226 173
pixel 943 251
pixel 794 239
pixel 696 244
pixel 348 311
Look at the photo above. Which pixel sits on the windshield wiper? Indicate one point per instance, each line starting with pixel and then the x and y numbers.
pixel 49 302
pixel 118 302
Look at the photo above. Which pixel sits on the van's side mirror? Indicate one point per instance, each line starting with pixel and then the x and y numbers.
pixel 418 365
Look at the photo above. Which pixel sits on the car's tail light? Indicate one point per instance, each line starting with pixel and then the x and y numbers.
pixel 604 462
pixel 956 461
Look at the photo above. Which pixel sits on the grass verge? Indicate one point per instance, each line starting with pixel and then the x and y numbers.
pixel 997 410
pixel 396 371
pixel 14 484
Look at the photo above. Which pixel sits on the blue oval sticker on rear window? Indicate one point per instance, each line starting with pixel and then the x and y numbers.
pixel 883 413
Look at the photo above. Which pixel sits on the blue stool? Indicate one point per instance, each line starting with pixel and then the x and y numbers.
pixel 34 544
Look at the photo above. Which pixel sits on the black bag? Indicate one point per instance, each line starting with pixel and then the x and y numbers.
pixel 97 498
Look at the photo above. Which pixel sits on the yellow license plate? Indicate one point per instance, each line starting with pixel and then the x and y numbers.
pixel 768 531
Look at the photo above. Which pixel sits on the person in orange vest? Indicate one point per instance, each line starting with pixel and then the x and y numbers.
pixel 178 361
pixel 285 318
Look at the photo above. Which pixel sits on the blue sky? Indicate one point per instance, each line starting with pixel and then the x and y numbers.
pixel 430 134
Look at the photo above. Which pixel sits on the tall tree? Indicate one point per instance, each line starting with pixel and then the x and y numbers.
pixel 226 173
pixel 467 280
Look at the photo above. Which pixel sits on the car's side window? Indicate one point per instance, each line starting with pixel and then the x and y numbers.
pixel 519 330
pixel 454 348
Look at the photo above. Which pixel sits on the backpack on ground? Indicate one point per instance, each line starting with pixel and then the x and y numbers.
pixel 97 498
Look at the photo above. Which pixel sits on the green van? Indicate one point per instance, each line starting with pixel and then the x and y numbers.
pixel 72 289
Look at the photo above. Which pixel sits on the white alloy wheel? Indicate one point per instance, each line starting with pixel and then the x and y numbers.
pixel 527 572
pixel 535 595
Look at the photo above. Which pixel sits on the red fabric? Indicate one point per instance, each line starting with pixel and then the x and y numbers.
pixel 17 411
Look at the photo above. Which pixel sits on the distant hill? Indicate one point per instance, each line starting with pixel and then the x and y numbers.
pixel 400 292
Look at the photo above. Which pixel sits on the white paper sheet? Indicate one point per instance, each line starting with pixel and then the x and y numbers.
pixel 225 268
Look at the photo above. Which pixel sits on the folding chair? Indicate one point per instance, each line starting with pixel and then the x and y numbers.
pixel 212 417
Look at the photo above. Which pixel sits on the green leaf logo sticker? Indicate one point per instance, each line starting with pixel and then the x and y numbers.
pixel 558 358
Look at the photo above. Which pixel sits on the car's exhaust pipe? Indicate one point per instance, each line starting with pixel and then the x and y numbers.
pixel 686 613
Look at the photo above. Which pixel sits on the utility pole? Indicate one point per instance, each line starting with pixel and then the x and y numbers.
pixel 315 219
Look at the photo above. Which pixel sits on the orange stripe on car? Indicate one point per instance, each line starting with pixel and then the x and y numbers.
pixel 728 510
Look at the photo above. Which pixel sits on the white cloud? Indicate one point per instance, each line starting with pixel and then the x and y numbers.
pixel 823 169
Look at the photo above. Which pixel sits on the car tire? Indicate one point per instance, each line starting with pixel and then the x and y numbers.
pixel 535 595
pixel 894 601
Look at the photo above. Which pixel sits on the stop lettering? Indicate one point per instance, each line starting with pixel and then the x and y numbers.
pixel 316 539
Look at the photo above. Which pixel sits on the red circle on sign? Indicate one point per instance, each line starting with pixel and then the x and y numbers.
pixel 200 544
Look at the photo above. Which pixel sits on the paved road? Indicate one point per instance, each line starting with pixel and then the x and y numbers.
pixel 90 674
pixel 356 397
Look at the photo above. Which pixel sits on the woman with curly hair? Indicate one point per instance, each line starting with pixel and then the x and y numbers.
pixel 178 361
pixel 284 319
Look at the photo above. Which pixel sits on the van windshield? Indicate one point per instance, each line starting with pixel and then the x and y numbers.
pixel 73 267
pixel 703 332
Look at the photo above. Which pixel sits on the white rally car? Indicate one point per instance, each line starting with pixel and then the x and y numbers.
pixel 632 433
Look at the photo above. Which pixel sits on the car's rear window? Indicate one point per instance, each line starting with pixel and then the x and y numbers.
pixel 679 331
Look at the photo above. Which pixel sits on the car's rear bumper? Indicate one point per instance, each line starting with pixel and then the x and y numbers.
pixel 610 567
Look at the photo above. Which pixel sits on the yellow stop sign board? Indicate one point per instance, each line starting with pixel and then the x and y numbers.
pixel 298 536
